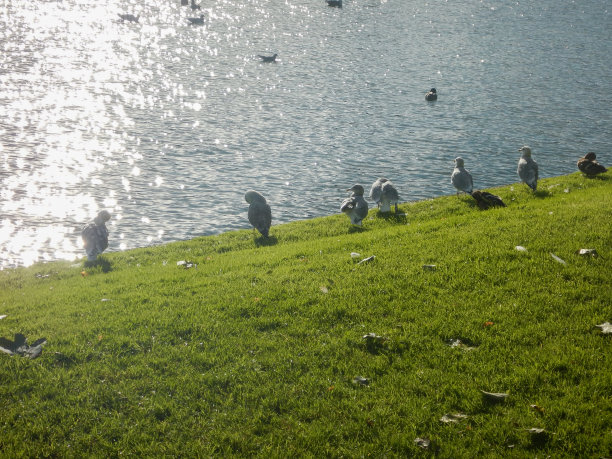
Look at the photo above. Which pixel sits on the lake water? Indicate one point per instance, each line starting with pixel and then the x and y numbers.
pixel 167 125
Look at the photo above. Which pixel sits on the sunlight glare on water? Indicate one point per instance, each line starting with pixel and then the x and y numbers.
pixel 167 124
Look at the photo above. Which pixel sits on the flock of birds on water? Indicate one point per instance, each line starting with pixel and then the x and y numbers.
pixel 382 192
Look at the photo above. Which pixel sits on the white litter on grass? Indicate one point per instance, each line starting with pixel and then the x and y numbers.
pixel 520 248
pixel 556 258
pixel 355 255
pixel 606 328
pixel 2 317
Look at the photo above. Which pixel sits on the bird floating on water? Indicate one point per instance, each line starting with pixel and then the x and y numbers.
pixel 431 95
pixel 196 21
pixel 355 207
pixel 337 3
pixel 268 58
pixel 260 214
pixel 461 178
pixel 485 200
pixel 384 193
pixel 527 168
pixel 95 236
pixel 195 6
pixel 128 17
pixel 589 165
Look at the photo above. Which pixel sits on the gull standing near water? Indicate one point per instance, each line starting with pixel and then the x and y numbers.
pixel 260 214
pixel 588 165
pixel 528 168
pixel 355 207
pixel 95 236
pixel 461 178
pixel 383 193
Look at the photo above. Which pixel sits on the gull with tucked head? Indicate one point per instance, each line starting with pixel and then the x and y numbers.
pixel 355 207
pixel 527 168
pixel 589 166
pixel 260 214
pixel 384 193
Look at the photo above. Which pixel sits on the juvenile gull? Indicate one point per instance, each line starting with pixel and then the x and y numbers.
pixel 484 199
pixel 589 165
pixel 527 168
pixel 95 236
pixel 268 58
pixel 196 21
pixel 355 206
pixel 383 193
pixel 260 214
pixel 431 95
pixel 461 178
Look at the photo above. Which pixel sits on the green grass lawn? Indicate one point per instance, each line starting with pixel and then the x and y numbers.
pixel 255 351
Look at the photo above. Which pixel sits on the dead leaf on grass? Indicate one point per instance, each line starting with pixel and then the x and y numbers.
pixel 423 443
pixel 323 288
pixel 453 418
pixel 537 408
pixel 494 397
pixel 606 328
pixel 360 380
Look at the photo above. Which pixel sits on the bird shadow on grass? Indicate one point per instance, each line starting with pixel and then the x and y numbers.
pixel 262 241
pixel 102 263
pixel 399 217
pixel 356 229
pixel 542 194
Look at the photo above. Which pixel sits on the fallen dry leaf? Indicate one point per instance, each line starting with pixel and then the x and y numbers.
pixel 453 418
pixel 537 408
pixel 423 443
pixel 606 328
pixel 493 397
pixel 323 288
pixel 487 324
pixel 84 273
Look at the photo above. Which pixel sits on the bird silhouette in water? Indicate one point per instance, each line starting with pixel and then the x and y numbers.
pixel 196 21
pixel 431 95
pixel 95 236
pixel 128 17
pixel 461 178
pixel 384 193
pixel 486 200
pixel 527 168
pixel 268 58
pixel 588 165
pixel 355 207
pixel 260 214
pixel 336 3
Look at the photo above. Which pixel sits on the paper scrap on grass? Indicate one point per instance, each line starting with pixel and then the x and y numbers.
pixel 2 316
pixel 355 255
pixel 586 252
pixel 556 258
pixel 494 397
pixel 520 248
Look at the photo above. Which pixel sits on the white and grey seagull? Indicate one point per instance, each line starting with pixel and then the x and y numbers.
pixel 260 214
pixel 95 236
pixel 355 207
pixel 527 168
pixel 461 178
pixel 384 193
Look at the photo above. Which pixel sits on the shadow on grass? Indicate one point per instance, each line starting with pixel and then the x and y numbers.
pixel 542 194
pixel 262 241
pixel 356 229
pixel 102 263
pixel 399 217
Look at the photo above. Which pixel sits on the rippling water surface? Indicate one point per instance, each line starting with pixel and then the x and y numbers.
pixel 167 124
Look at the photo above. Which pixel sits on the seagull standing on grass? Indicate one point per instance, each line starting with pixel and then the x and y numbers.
pixel 461 178
pixel 260 214
pixel 95 236
pixel 384 193
pixel 589 165
pixel 355 207
pixel 528 168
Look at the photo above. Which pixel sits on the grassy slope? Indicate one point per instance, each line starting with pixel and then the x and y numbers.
pixel 254 351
